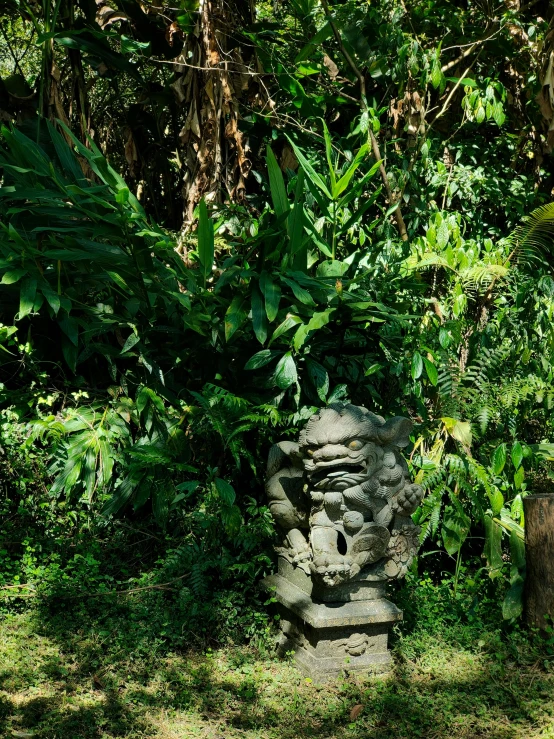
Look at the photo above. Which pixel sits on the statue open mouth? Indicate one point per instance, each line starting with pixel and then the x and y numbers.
pixel 343 474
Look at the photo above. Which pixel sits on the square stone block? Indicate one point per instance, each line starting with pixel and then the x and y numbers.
pixel 327 637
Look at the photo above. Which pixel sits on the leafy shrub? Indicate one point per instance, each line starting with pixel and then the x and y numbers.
pixel 174 377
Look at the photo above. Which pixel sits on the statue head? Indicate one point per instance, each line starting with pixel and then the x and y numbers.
pixel 344 444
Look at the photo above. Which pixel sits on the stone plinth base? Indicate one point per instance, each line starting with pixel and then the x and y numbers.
pixel 328 637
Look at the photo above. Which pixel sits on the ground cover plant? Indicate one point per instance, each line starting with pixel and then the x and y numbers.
pixel 215 218
pixel 112 675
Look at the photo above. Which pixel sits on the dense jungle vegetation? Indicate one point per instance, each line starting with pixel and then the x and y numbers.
pixel 216 217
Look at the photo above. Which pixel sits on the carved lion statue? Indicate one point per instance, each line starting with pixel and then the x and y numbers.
pixel 342 496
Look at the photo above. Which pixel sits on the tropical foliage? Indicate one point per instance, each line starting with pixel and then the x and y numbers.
pixel 215 219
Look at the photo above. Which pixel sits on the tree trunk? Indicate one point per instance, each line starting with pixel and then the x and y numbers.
pixel 214 76
pixel 539 553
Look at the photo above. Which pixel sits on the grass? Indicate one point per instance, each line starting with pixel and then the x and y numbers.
pixel 69 676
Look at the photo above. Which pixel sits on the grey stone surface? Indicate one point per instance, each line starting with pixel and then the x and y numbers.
pixel 359 589
pixel 328 615
pixel 342 500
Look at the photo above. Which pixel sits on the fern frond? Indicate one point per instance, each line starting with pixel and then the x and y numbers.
pixel 531 239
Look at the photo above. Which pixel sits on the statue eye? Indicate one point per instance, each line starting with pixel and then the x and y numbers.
pixel 355 445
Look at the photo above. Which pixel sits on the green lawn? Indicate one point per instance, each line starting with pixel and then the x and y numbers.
pixel 88 681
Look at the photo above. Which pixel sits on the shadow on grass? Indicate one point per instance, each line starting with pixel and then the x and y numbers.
pixel 79 675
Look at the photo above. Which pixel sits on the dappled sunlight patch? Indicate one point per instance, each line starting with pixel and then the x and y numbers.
pixel 91 685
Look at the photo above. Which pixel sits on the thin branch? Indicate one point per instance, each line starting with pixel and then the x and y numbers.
pixel 467 51
pixel 211 69
pixel 449 98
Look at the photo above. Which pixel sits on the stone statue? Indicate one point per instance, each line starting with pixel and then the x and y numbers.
pixel 342 501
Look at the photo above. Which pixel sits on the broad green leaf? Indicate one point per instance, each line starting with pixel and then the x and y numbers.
pixel 497 501
pixel 187 487
pixel 299 292
pixel 130 342
pixel 459 430
pixel 285 373
pixel 455 528
pixel 417 365
pixel 332 268
pixel 443 234
pixel 121 496
pixel 122 195
pixel 512 606
pixel 517 454
pixel 329 155
pixel 517 550
pixel 285 326
pixel 543 451
pixel 309 170
pixel 259 317
pixel 357 190
pixel 322 201
pixel 85 41
pixel 27 295
pixel 69 351
pixel 145 396
pixel 160 503
pixel 13 275
pixel 234 316
pixel 89 473
pixel 300 336
pixel 372 369
pixel 65 155
pixel 131 46
pixel 297 238
pixel 344 181
pixel 462 432
pixel 272 295
pixel 318 320
pixel 52 298
pixel 118 279
pixel 319 377
pixel 317 240
pixel 436 74
pixel 261 359
pixel 142 399
pixel 279 197
pixel 205 240
pixel 493 547
pixel 225 491
pixel 519 477
pixel 70 327
pixel 431 370
pixel 499 459
pixel 340 392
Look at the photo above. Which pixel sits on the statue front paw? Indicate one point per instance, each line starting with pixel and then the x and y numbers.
pixel 408 500
pixel 332 568
pixel 304 555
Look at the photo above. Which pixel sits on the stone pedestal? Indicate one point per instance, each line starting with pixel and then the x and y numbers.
pixel 342 501
pixel 329 636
